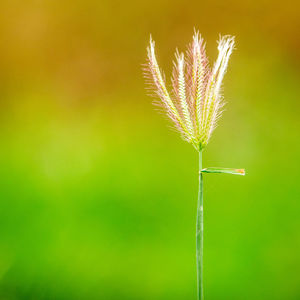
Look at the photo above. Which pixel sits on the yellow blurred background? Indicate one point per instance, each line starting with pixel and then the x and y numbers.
pixel 98 195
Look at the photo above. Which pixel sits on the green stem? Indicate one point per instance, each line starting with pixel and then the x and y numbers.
pixel 199 233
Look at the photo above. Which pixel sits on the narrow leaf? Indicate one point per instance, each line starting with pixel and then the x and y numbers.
pixel 224 170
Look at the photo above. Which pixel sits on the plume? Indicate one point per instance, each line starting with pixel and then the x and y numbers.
pixel 195 103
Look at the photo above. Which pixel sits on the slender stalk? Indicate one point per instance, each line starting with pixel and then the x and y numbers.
pixel 199 233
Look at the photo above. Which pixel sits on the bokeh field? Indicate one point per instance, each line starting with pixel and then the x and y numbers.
pixel 98 193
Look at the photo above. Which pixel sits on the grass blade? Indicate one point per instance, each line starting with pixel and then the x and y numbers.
pixel 224 170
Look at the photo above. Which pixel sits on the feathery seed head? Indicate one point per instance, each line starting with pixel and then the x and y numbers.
pixel 196 102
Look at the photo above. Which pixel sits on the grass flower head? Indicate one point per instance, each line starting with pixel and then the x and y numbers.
pixel 196 101
pixel 194 106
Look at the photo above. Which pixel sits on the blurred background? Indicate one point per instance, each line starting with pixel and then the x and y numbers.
pixel 98 194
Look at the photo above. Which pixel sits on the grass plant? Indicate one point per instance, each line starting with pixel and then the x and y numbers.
pixel 194 106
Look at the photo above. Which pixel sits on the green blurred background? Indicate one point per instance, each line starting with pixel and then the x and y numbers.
pixel 98 195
